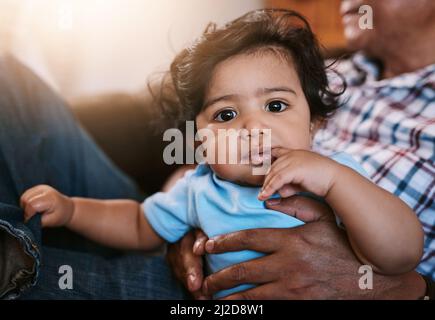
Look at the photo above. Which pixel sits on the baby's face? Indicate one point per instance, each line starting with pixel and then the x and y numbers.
pixel 255 91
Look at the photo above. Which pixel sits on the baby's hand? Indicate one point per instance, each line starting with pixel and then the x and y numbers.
pixel 298 170
pixel 56 208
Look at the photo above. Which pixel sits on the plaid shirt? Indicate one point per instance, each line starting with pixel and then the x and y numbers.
pixel 389 126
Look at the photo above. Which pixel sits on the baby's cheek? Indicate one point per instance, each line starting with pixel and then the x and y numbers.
pixel 256 180
pixel 221 150
pixel 225 171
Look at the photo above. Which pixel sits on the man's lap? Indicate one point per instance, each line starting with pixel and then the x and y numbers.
pixel 40 142
pixel 125 276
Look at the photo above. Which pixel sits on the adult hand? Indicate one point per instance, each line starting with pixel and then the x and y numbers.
pixel 186 261
pixel 185 256
pixel 313 261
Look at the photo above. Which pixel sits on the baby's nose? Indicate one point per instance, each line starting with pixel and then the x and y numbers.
pixel 255 125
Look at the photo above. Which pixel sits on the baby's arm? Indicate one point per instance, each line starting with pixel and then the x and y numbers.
pixel 382 229
pixel 115 223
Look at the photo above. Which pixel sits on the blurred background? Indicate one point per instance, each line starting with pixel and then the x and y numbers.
pixel 88 47
pixel 99 54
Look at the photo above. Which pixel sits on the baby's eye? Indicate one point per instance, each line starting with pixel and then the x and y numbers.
pixel 276 106
pixel 225 115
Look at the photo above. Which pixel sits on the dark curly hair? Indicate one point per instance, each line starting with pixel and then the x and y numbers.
pixel 183 88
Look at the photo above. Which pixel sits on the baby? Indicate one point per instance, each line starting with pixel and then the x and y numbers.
pixel 263 72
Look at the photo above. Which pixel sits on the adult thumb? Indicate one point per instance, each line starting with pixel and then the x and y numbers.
pixel 284 205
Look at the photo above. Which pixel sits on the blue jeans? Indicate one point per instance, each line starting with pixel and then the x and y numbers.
pixel 41 143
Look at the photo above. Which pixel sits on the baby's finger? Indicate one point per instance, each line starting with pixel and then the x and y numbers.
pixel 266 182
pixel 278 162
pixel 30 193
pixel 26 196
pixel 277 180
pixel 39 203
pixel 288 190
pixel 284 165
pixel 278 152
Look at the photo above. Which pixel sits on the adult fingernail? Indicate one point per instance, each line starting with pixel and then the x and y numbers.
pixel 273 202
pixel 205 288
pixel 209 245
pixel 191 282
pixel 196 247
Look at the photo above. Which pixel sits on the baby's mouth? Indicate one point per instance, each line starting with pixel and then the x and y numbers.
pixel 261 158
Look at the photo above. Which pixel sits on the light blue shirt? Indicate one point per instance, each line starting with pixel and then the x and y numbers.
pixel 202 200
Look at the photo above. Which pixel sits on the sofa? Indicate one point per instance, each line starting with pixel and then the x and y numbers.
pixel 122 125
